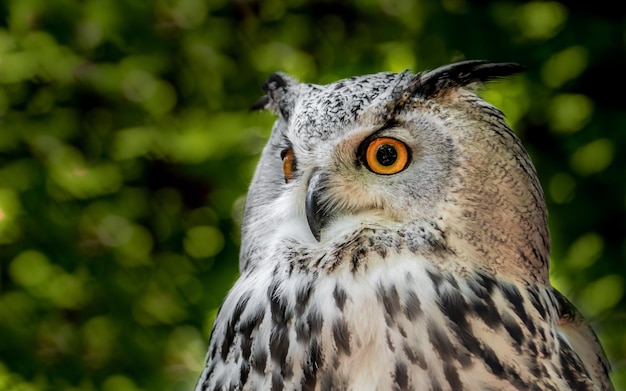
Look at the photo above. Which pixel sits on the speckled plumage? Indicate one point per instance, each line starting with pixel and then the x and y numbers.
pixel 433 278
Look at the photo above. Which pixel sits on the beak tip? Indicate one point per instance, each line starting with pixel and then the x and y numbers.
pixel 316 217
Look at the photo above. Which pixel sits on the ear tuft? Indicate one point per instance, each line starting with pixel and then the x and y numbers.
pixel 462 74
pixel 280 97
pixel 261 104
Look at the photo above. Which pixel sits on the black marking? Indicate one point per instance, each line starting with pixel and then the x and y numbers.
pixel 240 307
pixel 219 383
pixel 536 301
pixel 340 296
pixel 246 327
pixel 303 332
pixel 279 344
pixel 244 371
pixel 479 290
pixel 513 296
pixel 452 376
pixel 227 342
pixel 514 330
pixel 209 373
pixel 455 308
pixel 544 350
pixel 488 313
pixel 230 332
pixel 315 321
pixel 277 381
pixel 542 334
pixel 358 255
pixel 464 357
pixel 415 356
pixel 400 377
pixel 278 304
pixel 566 310
pixel 258 360
pixel 436 278
pixel 412 306
pixel 453 305
pixel 516 381
pixel 573 370
pixel 389 341
pixel 311 366
pixel 434 383
pixel 486 282
pixel 213 349
pixel 493 362
pixel 468 340
pixel 303 294
pixel 378 246
pixel 341 335
pixel 482 287
pixel 391 302
pixel 440 342
pixel 535 369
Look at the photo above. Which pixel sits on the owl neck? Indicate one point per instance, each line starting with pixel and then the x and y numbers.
pixel 502 245
pixel 499 214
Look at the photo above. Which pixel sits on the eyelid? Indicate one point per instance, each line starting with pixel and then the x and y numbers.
pixel 385 131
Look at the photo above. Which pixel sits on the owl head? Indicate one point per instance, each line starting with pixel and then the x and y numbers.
pixel 396 153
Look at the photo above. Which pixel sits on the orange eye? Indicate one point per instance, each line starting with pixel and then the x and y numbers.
pixel 289 163
pixel 386 156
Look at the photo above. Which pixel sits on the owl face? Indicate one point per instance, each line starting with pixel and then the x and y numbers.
pixel 375 170
pixel 389 151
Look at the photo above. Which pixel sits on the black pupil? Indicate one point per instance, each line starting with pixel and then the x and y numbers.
pixel 386 155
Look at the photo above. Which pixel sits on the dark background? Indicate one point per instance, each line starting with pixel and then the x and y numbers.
pixel 126 149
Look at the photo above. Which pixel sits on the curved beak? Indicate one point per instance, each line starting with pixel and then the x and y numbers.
pixel 316 215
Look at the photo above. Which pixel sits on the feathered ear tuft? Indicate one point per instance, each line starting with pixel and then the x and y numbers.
pixel 462 74
pixel 280 96
pixel 261 104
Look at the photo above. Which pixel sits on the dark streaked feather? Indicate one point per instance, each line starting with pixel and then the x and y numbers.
pixel 584 341
pixel 260 104
pixel 462 74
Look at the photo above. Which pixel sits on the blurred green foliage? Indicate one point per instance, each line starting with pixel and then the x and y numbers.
pixel 126 149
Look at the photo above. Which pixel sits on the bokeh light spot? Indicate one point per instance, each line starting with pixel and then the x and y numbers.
pixel 561 187
pixel 569 113
pixel 602 294
pixel 564 66
pixel 399 56
pixel 10 208
pixel 541 20
pixel 203 241
pixel 585 251
pixel 66 291
pixel 99 339
pixel 593 157
pixel 119 383
pixel 30 268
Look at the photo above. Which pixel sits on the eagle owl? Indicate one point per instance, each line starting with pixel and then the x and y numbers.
pixel 395 238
